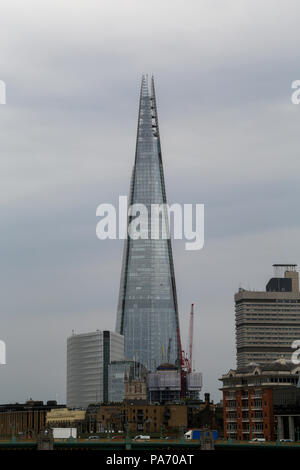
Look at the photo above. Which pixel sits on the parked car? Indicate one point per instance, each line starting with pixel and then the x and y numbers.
pixel 258 439
pixel 93 438
pixel 141 438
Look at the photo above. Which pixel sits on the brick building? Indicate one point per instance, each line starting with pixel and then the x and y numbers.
pixel 252 393
pixel 206 414
pixel 141 418
pixel 25 419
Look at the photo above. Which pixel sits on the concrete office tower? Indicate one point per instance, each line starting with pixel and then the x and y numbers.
pixel 147 309
pixel 88 357
pixel 267 322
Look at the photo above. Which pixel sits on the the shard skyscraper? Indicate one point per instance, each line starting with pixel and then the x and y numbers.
pixel 147 308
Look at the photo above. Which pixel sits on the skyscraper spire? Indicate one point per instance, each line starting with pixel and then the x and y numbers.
pixel 147 309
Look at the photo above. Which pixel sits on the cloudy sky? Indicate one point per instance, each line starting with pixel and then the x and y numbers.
pixel 230 140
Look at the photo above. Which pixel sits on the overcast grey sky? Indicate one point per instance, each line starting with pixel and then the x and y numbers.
pixel 230 140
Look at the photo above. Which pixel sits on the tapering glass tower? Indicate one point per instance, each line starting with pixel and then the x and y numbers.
pixel 147 309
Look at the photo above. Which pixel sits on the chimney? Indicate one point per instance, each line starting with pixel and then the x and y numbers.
pixel 207 399
pixel 295 279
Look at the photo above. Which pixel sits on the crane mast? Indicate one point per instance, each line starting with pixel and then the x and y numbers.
pixel 191 334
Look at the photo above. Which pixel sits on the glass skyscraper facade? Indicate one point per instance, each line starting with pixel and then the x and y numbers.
pixel 147 309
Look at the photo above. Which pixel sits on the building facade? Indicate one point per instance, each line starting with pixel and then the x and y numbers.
pixel 251 395
pixel 287 413
pixel 193 385
pixel 206 415
pixel 135 389
pixel 126 381
pixel 164 385
pixel 147 309
pixel 64 418
pixel 25 419
pixel 267 322
pixel 88 358
pixel 142 418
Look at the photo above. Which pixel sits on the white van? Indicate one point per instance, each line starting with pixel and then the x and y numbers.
pixel 141 438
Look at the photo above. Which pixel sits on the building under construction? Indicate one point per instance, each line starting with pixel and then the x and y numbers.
pixel 165 385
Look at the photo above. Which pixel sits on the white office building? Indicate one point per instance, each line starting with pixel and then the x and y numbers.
pixel 88 357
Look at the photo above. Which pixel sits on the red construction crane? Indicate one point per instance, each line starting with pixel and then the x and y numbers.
pixel 186 359
pixel 182 361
